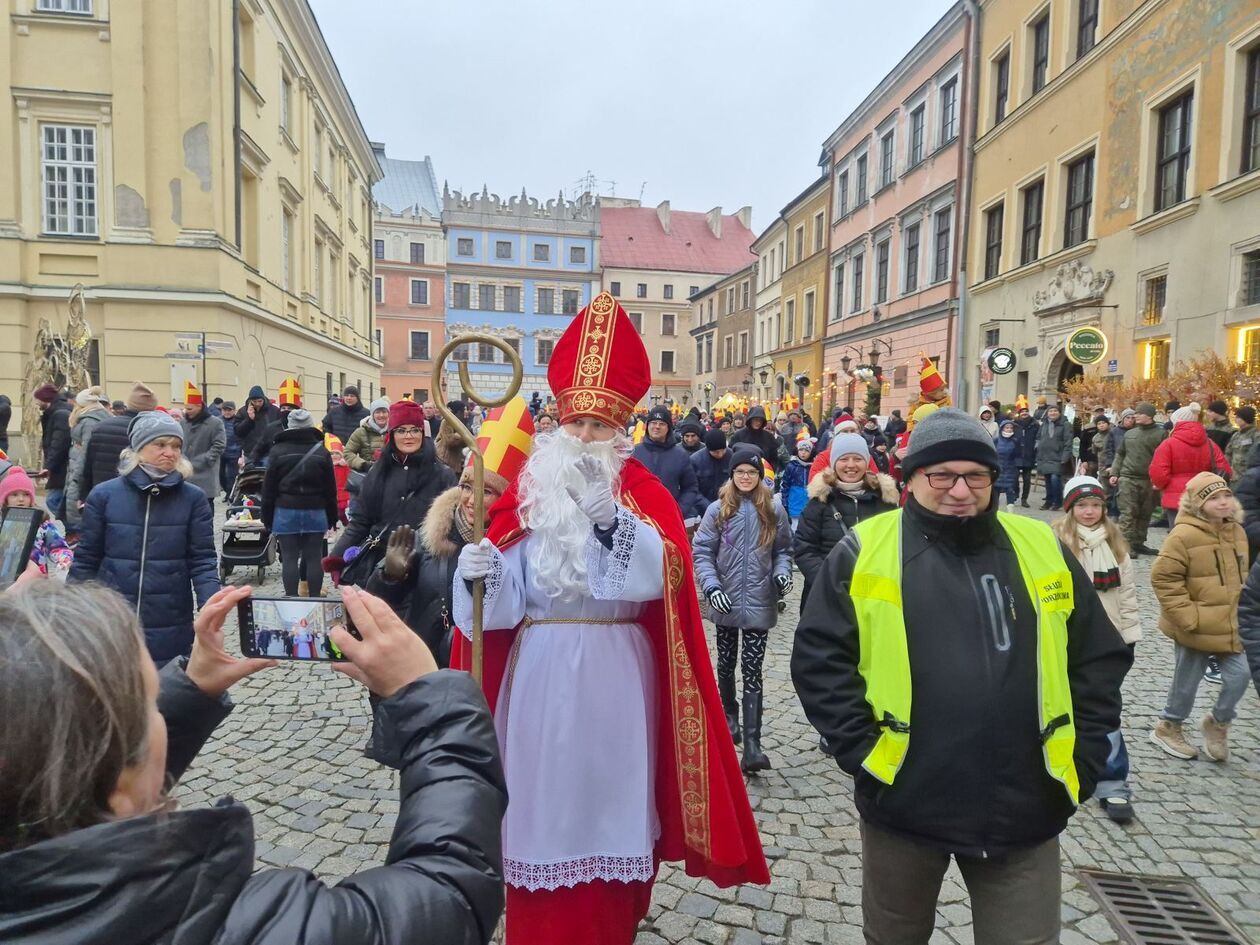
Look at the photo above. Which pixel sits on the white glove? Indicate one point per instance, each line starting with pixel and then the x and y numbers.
pixel 597 502
pixel 475 560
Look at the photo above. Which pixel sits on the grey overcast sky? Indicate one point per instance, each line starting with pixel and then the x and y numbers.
pixel 700 102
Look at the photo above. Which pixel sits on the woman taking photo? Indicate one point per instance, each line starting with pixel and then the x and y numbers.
pixel 840 496
pixel 398 491
pixel 743 557
pixel 91 844
pixel 299 502
pixel 148 534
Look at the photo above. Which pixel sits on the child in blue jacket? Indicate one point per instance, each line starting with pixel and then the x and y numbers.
pixel 794 479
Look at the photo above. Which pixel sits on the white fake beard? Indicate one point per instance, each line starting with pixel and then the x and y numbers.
pixel 556 550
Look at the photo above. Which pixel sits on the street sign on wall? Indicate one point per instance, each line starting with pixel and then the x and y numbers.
pixel 1087 345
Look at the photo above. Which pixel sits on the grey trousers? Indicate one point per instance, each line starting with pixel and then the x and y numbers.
pixel 1015 899
pixel 1188 673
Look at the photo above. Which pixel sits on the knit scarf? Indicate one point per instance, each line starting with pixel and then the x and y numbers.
pixel 852 488
pixel 1098 558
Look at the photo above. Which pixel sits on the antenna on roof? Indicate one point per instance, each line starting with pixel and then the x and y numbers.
pixel 588 183
pixel 642 188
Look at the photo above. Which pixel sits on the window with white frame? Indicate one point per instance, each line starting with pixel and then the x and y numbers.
pixel 68 169
pixel 940 265
pixel 419 348
pixel 542 252
pixel 789 318
pixel 1251 279
pixel 317 275
pixel 728 351
pixel 883 253
pixel 1079 200
pixel 546 302
pixel 994 218
pixel 743 347
pixel 820 231
pixel 1040 52
pixel 1086 26
pixel 379 289
pixel 860 171
pixel 577 255
pixel 858 263
pixel 317 151
pixel 1001 86
pixel 1251 114
pixel 668 291
pixel 668 323
pixel 420 292
pixel 286 250
pixel 887 158
pixel 810 314
pixel 949 110
pixel 837 281
pixel 636 319
pixel 799 243
pixel 417 254
pixel 286 101
pixel 75 7
pixel 1030 227
pixel 569 299
pixel 543 348
pixel 1172 167
pixel 842 198
pixel 486 297
pixel 700 354
pixel 708 353
pixel 512 298
pixel 667 362
pixel 464 246
pixel 918 122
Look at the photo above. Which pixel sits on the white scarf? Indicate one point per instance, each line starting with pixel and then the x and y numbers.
pixel 1098 558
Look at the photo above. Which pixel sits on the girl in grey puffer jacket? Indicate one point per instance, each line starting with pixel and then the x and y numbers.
pixel 743 559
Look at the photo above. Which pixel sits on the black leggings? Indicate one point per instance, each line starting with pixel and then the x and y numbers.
pixel 1025 475
pixel 300 560
pixel 753 656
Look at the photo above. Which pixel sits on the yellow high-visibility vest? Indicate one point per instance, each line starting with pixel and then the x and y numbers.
pixel 884 662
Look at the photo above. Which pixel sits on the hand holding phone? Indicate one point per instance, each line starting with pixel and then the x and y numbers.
pixel 210 667
pixel 386 656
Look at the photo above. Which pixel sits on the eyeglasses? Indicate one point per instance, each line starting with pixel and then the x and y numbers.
pixel 746 472
pixel 408 431
pixel 944 481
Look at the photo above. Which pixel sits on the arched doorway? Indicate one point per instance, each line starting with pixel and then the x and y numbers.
pixel 1062 370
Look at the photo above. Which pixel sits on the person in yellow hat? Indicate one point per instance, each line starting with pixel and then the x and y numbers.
pixel 204 441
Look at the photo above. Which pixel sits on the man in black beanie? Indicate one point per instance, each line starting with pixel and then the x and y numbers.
pixel 712 464
pixel 1219 430
pixel 689 433
pixel 958 663
pixel 670 463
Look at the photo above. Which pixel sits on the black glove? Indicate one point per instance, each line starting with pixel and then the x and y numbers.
pixel 718 601
pixel 783 583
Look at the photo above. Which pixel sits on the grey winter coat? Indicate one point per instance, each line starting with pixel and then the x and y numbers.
pixel 730 558
pixel 80 436
pixel 204 442
pixel 1054 446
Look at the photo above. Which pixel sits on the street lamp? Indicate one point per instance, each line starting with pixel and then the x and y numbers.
pixel 747 383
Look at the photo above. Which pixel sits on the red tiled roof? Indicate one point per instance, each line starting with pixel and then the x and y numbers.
pixel 632 238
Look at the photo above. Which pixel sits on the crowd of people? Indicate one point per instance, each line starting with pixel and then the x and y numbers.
pixel 932 615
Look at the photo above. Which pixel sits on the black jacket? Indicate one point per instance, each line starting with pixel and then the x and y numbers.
pixel 711 474
pixel 341 420
pixel 395 493
pixel 1248 494
pixel 1026 431
pixel 188 876
pixel 671 464
pixel 974 780
pixel 267 439
pixel 6 415
pixel 296 480
pixel 104 450
pixel 764 439
pixel 828 517
pixel 55 443
pixel 1249 622
pixel 250 432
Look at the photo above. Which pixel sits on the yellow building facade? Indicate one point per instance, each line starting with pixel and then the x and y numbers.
pixel 197 166
pixel 1116 185
pixel 803 297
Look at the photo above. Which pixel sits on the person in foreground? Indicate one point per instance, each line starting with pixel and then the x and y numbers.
pixel 93 850
pixel 966 614
pixel 616 747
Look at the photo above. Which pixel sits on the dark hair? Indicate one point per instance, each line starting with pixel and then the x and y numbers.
pixel 75 709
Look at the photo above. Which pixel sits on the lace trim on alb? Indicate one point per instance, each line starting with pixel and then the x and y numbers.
pixel 494 584
pixel 608 581
pixel 552 876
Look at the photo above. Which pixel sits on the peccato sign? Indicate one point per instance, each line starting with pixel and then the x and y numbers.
pixel 1086 345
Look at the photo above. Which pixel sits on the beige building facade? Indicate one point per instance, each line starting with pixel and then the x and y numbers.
pixel 771 250
pixel 197 167
pixel 799 333
pixel 1117 185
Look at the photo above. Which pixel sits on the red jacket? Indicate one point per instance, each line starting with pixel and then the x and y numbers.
pixel 1186 453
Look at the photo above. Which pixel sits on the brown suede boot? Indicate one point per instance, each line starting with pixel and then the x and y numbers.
pixel 304 589
pixel 1215 738
pixel 1169 736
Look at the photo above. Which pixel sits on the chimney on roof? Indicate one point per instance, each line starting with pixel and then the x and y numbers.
pixel 715 221
pixel 662 214
pixel 744 216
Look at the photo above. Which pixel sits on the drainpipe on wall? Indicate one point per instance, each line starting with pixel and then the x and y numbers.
pixel 969 163
pixel 236 110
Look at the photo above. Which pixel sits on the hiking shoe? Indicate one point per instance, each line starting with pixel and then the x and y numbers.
pixel 1144 550
pixel 1215 738
pixel 1213 672
pixel 1169 736
pixel 1118 809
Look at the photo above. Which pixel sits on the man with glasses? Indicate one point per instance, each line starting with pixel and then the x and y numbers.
pixel 960 666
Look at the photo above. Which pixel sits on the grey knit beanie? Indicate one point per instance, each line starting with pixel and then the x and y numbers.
pixel 152 425
pixel 844 443
pixel 949 435
pixel 300 419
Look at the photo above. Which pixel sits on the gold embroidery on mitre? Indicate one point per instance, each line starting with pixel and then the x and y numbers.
pixel 603 304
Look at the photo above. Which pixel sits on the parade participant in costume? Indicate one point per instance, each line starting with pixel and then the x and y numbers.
pixel 290 399
pixel 616 749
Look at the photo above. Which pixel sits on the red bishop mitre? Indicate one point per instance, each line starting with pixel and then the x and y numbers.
pixel 192 395
pixel 290 393
pixel 599 367
pixel 505 440
pixel 930 379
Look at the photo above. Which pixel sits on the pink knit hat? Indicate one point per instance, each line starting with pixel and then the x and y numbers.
pixel 15 480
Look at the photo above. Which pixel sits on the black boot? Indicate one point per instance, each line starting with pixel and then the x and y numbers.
pixel 726 689
pixel 754 758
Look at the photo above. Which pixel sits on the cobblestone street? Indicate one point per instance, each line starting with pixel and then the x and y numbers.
pixel 291 751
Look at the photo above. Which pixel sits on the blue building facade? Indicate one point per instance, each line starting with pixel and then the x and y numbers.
pixel 520 270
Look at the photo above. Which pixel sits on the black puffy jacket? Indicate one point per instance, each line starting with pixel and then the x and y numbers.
pixel 396 491
pixel 152 542
pixel 829 515
pixel 711 474
pixel 55 444
pixel 341 420
pixel 764 439
pixel 250 432
pixel 299 476
pixel 187 876
pixel 104 450
pixel 671 464
pixel 974 780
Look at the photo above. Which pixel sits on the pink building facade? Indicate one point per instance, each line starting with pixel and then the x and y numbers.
pixel 897 167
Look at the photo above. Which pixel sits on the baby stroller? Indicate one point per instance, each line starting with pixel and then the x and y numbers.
pixel 246 541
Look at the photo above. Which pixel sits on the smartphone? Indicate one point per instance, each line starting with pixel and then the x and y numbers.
pixel 291 628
